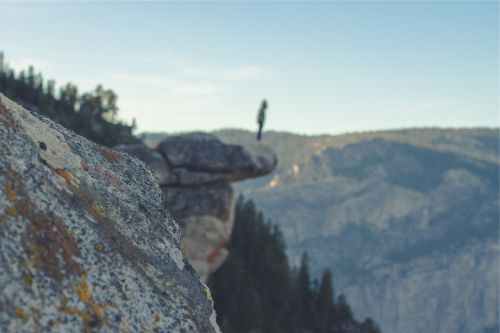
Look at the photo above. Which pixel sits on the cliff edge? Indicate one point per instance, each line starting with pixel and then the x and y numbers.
pixel 195 172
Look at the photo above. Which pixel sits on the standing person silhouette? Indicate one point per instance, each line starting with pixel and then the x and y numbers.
pixel 261 116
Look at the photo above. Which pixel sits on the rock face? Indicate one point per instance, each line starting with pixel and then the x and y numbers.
pixel 194 172
pixel 86 243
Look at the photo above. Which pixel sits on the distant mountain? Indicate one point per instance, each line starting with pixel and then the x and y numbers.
pixel 408 220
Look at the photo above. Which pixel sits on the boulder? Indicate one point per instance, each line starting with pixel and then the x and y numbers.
pixel 213 200
pixel 197 189
pixel 204 152
pixel 205 214
pixel 86 241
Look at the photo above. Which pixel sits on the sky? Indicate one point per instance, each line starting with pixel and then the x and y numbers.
pixel 324 67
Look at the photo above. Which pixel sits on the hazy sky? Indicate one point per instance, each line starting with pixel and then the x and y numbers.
pixel 324 67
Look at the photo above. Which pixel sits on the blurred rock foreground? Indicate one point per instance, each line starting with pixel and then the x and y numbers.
pixel 194 172
pixel 86 242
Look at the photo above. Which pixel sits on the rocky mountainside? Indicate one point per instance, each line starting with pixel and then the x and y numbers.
pixel 408 221
pixel 195 172
pixel 86 243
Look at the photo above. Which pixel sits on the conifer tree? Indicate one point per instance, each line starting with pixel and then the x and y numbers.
pixel 92 114
pixel 344 312
pixel 306 294
pixel 325 304
pixel 256 291
pixel 369 326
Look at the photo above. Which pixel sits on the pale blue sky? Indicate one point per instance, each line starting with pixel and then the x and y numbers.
pixel 325 67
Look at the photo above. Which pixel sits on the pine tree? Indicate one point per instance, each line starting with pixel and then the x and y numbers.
pixel 306 294
pixel 343 310
pixel 260 247
pixel 92 114
pixel 325 304
pixel 237 303
pixel 256 291
pixel 369 326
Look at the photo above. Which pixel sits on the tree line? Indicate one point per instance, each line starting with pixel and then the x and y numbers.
pixel 256 290
pixel 91 114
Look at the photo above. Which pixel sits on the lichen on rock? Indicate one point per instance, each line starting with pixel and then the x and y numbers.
pixel 86 243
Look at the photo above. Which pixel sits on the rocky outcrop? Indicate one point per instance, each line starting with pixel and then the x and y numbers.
pixel 194 172
pixel 86 242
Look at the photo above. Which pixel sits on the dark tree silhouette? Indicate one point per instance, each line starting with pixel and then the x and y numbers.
pixel 256 291
pixel 92 114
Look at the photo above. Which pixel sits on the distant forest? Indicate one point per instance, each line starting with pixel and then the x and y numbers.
pixel 91 114
pixel 255 290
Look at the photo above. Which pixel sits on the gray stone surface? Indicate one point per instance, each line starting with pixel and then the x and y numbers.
pixel 153 160
pixel 205 214
pixel 208 200
pixel 86 243
pixel 204 152
pixel 195 180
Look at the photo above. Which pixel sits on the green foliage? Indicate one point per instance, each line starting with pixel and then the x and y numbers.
pixel 92 114
pixel 256 291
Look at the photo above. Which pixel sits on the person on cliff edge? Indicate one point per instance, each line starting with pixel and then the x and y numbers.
pixel 261 116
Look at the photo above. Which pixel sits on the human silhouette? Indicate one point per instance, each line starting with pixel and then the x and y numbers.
pixel 261 117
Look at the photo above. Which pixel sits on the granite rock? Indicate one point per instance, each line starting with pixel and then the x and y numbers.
pixel 86 242
pixel 153 160
pixel 204 152
pixel 196 182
